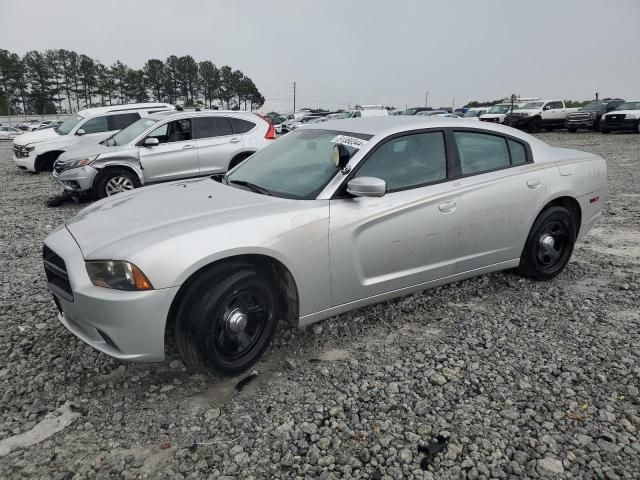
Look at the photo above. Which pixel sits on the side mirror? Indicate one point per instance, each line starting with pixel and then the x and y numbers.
pixel 151 142
pixel 367 187
pixel 340 156
pixel 80 132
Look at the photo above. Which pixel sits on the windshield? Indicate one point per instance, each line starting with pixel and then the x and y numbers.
pixel 299 165
pixel 629 106
pixel 127 134
pixel 343 115
pixel 69 124
pixel 499 109
pixel 309 119
pixel 472 113
pixel 595 106
pixel 532 105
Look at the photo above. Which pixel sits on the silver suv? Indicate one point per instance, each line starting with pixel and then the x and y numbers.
pixel 162 147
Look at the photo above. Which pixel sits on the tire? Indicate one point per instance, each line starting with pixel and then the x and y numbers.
pixel 227 319
pixel 549 128
pixel 535 125
pixel 637 129
pixel 114 180
pixel 572 129
pixel 543 259
pixel 604 130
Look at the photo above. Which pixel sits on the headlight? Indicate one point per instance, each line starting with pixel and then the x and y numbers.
pixel 593 114
pixel 27 148
pixel 632 115
pixel 118 275
pixel 80 162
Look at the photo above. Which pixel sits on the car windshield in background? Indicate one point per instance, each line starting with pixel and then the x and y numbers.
pixel 499 109
pixel 68 125
pixel 298 166
pixel 127 134
pixel 595 106
pixel 472 113
pixel 629 106
pixel 532 105
pixel 342 115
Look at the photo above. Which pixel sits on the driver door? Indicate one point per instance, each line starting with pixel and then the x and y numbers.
pixel 175 157
pixel 410 236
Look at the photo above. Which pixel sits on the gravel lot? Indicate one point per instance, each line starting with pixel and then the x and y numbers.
pixel 522 379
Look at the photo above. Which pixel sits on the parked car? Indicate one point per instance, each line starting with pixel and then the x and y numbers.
pixel 27 124
pixel 474 113
pixel 9 133
pixel 325 220
pixel 37 151
pixel 37 126
pixel 625 117
pixel 305 121
pixel 497 113
pixel 366 112
pixel 588 117
pixel 414 110
pixel 161 147
pixel 52 124
pixel 428 113
pixel 533 116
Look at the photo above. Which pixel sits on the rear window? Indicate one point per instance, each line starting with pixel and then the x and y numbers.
pixel 241 126
pixel 118 122
pixel 213 127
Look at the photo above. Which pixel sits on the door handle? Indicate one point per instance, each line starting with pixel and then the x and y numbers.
pixel 187 147
pixel 235 139
pixel 447 207
pixel 533 184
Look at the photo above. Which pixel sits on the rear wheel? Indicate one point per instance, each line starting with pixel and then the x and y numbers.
pixel 114 180
pixel 549 245
pixel 572 129
pixel 637 129
pixel 227 319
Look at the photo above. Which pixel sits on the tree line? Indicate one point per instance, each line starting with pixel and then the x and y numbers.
pixel 63 81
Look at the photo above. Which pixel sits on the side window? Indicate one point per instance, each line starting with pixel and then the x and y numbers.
pixel 118 122
pixel 95 125
pixel 241 126
pixel 408 161
pixel 213 127
pixel 356 115
pixel 518 152
pixel 480 152
pixel 554 105
pixel 176 131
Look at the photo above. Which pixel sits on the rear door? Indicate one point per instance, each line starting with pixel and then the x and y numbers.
pixel 501 190
pixel 216 143
pixel 175 157
pixel 407 237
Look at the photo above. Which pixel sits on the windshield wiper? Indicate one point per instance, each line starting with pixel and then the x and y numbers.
pixel 251 186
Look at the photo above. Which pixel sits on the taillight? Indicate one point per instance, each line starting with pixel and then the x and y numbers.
pixel 271 132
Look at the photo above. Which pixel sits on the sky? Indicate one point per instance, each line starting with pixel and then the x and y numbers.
pixel 343 53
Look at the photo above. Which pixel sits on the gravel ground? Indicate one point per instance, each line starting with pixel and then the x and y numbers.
pixel 507 377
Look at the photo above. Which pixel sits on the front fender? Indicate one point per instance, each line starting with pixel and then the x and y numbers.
pixel 131 165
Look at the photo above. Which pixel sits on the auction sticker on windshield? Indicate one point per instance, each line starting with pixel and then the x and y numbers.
pixel 349 141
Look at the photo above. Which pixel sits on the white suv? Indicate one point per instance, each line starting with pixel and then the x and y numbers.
pixel 37 151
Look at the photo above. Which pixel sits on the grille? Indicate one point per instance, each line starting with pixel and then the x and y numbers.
pixel 578 116
pixel 615 118
pixel 56 271
pixel 16 151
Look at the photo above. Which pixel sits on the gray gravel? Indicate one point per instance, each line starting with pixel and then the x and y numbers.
pixel 519 379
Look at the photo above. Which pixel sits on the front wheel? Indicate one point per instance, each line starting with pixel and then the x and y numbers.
pixel 227 319
pixel 114 180
pixel 637 129
pixel 572 129
pixel 535 125
pixel 549 245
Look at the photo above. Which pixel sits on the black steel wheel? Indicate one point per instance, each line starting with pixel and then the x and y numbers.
pixel 227 319
pixel 535 125
pixel 549 245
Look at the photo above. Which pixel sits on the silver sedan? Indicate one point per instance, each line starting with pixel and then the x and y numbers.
pixel 329 218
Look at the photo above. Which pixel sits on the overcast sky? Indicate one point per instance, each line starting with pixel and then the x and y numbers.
pixel 343 53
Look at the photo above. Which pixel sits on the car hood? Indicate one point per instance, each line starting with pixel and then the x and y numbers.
pixel 37 136
pixel 530 111
pixel 86 150
pixel 118 226
pixel 623 112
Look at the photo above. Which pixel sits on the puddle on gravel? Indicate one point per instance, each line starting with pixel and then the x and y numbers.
pixel 334 355
pixel 589 286
pixel 615 242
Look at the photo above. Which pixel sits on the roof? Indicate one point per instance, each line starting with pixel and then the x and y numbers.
pixel 202 113
pixel 389 125
pixel 119 108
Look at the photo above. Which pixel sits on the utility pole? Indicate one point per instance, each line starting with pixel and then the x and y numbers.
pixel 596 95
pixel 426 99
pixel 453 104
pixel 294 97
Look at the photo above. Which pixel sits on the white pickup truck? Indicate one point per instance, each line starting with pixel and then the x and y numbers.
pixel 533 116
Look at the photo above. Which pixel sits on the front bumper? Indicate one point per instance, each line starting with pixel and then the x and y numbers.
pixel 586 123
pixel 124 325
pixel 626 124
pixel 25 163
pixel 76 179
pixel 517 122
